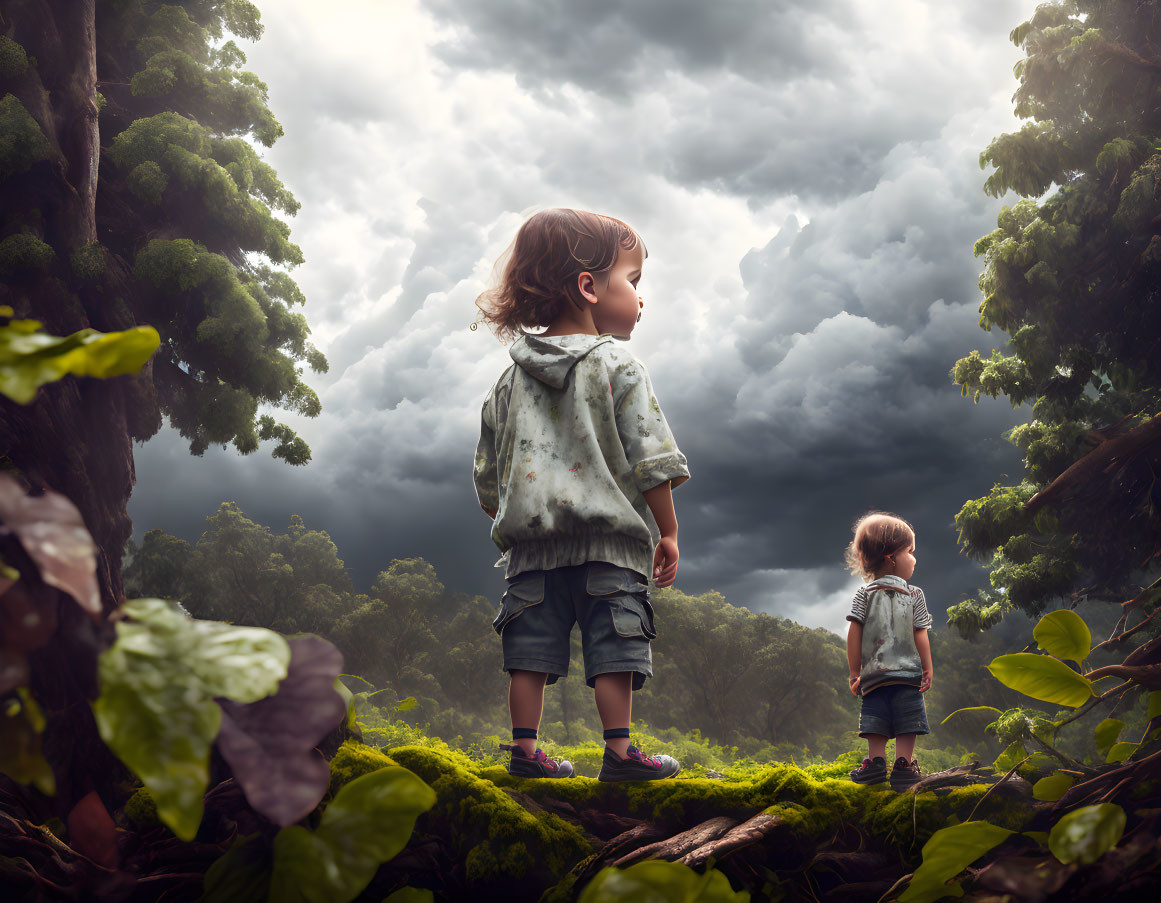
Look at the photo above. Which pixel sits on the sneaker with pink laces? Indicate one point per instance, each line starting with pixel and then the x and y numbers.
pixel 535 766
pixel 636 766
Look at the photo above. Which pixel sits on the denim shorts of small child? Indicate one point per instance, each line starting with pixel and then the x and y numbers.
pixel 611 604
pixel 893 710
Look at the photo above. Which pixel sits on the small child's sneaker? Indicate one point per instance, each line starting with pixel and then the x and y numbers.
pixel 904 774
pixel 535 766
pixel 872 771
pixel 636 766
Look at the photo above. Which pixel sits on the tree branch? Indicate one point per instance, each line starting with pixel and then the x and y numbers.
pixel 1101 457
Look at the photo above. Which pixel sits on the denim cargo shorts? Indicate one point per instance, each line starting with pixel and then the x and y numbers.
pixel 893 710
pixel 611 604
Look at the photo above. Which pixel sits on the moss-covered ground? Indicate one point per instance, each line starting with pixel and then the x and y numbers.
pixel 499 843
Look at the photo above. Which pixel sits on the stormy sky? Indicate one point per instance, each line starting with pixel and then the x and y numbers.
pixel 805 175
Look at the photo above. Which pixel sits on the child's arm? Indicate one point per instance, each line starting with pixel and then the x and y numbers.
pixel 484 473
pixel 923 644
pixel 660 501
pixel 855 654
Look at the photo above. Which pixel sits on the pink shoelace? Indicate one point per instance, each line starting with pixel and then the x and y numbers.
pixel 635 753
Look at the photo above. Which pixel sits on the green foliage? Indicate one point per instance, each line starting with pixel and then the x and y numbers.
pixel 88 262
pixel 22 143
pixel 1064 634
pixel 367 823
pixel 970 617
pixel 1053 787
pixel 218 174
pixel 156 708
pixel 948 852
pixel 1106 733
pixel 245 337
pixel 30 358
pixel 13 59
pixel 23 251
pixel 1072 280
pixel 1042 677
pixel 1084 835
pixel 662 882
pixel 21 724
pixel 147 182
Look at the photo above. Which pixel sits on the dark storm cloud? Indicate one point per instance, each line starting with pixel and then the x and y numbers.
pixel 618 49
pixel 818 386
pixel 836 398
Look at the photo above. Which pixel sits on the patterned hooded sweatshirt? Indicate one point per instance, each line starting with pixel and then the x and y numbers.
pixel 571 436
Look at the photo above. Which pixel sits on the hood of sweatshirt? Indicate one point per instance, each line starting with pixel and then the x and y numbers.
pixel 550 359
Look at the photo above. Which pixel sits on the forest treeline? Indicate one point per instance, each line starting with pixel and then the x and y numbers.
pixel 773 688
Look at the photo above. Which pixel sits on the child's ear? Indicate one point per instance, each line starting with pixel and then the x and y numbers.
pixel 587 286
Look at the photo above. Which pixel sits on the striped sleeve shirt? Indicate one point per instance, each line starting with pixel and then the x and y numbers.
pixel 921 617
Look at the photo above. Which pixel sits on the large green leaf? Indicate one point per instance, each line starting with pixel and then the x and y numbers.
pixel 1085 835
pixel 1064 634
pixel 1106 733
pixel 660 882
pixel 1042 677
pixel 945 855
pixel 1121 751
pixel 974 708
pixel 30 358
pixel 1154 705
pixel 366 824
pixel 1053 787
pixel 157 710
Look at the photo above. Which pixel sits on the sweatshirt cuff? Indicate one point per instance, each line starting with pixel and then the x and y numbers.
pixel 650 472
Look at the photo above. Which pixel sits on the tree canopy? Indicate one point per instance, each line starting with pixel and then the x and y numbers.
pixel 1073 279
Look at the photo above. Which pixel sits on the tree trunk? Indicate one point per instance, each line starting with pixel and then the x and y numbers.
pixel 74 437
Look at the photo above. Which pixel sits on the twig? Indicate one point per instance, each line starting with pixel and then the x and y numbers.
pixel 1092 703
pixel 1067 760
pixel 1011 772
pixel 890 890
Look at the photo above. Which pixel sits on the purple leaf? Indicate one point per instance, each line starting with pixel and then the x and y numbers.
pixel 269 744
pixel 52 532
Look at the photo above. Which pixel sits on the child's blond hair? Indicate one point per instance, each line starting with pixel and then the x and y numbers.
pixel 878 535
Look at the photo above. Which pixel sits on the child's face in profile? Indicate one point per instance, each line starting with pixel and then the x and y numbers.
pixel 905 563
pixel 618 304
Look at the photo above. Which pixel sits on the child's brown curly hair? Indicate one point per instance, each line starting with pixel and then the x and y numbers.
pixel 877 535
pixel 540 267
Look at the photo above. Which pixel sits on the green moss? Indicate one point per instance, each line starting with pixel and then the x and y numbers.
pixel 353 760
pixel 141 810
pixel 481 864
pixel 496 835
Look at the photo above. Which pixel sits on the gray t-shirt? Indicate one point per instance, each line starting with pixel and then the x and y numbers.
pixel 571 436
pixel 890 610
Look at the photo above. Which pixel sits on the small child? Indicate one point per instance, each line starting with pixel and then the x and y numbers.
pixel 576 464
pixel 888 649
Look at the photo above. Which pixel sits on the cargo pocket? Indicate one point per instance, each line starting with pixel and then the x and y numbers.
pixel 627 596
pixel 524 590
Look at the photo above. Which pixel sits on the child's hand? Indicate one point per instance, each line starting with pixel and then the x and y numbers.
pixel 665 561
pixel 925 683
pixel 854 682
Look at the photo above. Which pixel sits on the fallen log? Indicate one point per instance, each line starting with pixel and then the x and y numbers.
pixel 757 828
pixel 680 844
